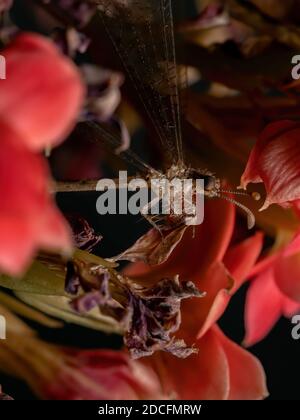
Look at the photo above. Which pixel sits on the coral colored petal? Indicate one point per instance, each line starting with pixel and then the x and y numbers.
pixel 290 307
pixel 134 379
pixel 42 94
pixel 240 259
pixel 280 169
pixel 264 264
pixel 197 317
pixel 28 217
pixel 100 375
pixel 251 173
pixel 55 231
pixel 263 307
pixel 247 377
pixel 16 245
pixel 274 161
pixel 203 376
pixel 217 309
pixel 287 276
pixel 287 269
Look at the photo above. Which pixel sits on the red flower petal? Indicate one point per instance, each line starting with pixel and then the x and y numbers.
pixel 220 371
pixel 274 291
pixel 203 376
pixel 28 216
pixel 275 161
pixel 16 244
pixel 42 94
pixel 102 375
pixel 287 275
pixel 240 259
pixel 194 253
pixel 201 316
pixel 287 270
pixel 263 307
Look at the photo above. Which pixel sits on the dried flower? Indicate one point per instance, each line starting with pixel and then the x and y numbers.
pixel 71 41
pixel 103 95
pixel 273 291
pixel 5 5
pixel 84 235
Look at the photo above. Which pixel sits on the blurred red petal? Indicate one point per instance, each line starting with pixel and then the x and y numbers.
pixel 263 307
pixel 240 259
pixel 28 216
pixel 287 270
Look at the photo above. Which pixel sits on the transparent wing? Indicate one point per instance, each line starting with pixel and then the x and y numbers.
pixel 113 137
pixel 142 32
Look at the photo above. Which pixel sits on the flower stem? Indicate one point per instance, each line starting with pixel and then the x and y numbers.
pixel 75 186
pixel 85 185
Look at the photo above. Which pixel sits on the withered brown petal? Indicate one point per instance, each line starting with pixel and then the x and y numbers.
pixel 156 316
pixel 154 247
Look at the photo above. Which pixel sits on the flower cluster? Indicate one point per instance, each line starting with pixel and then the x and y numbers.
pixel 149 315
pixel 63 93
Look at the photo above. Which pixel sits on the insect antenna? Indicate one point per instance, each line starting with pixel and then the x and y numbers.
pixel 255 195
pixel 250 215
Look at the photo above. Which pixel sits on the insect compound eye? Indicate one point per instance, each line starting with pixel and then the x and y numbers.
pixel 209 182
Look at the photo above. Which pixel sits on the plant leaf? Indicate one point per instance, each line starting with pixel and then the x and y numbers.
pixel 38 279
pixel 59 307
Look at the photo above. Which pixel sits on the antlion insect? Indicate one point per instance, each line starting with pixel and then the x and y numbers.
pixel 142 32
